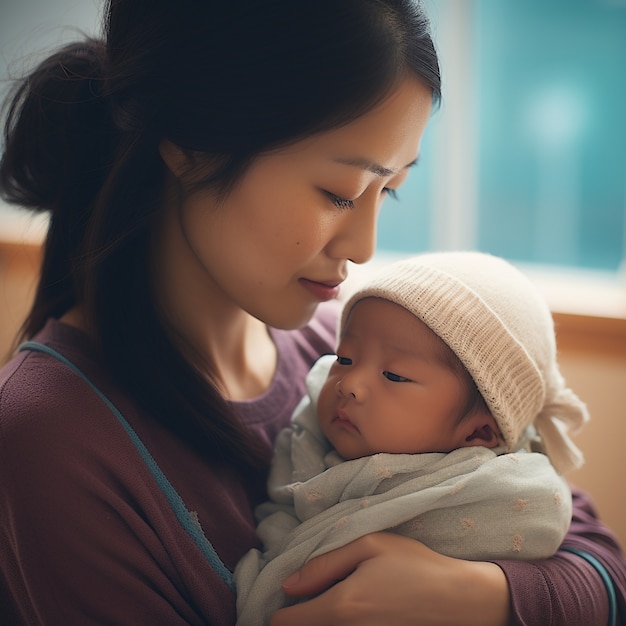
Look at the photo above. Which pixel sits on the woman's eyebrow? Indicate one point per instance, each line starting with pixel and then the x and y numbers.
pixel 372 166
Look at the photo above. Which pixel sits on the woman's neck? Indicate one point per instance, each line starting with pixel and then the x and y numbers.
pixel 242 350
pixel 237 348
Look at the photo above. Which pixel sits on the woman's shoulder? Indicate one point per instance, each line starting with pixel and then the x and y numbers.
pixel 43 398
pixel 58 422
pixel 79 490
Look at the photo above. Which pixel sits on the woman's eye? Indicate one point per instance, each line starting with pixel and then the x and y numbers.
pixel 344 360
pixel 395 378
pixel 392 193
pixel 339 202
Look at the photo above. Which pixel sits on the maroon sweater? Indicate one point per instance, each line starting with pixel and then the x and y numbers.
pixel 87 537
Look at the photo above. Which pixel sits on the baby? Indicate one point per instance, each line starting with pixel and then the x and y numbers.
pixel 443 417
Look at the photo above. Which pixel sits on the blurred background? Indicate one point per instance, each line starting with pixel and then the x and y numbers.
pixel 525 158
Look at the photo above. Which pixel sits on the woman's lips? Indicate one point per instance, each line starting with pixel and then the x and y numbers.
pixel 321 291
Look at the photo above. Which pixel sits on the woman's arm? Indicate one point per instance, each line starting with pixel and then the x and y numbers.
pixel 389 579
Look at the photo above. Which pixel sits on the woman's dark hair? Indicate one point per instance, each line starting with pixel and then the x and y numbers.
pixel 225 78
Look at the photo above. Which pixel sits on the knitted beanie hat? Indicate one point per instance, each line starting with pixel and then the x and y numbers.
pixel 501 329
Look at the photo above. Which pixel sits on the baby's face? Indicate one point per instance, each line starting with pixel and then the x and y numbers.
pixel 391 389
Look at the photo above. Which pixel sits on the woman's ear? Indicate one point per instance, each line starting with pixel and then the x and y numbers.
pixel 177 160
pixel 480 429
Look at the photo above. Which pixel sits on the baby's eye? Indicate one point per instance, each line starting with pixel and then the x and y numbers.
pixel 344 360
pixel 392 193
pixel 395 378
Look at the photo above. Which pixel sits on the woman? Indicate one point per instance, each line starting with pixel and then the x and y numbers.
pixel 209 168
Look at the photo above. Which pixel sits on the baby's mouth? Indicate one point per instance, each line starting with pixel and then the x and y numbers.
pixel 342 419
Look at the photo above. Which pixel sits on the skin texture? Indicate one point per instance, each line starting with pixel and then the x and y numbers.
pixel 393 390
pixel 387 579
pixel 283 234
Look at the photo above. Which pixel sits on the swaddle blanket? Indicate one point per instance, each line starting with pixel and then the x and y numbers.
pixel 473 503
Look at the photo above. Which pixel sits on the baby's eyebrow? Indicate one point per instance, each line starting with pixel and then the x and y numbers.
pixel 372 166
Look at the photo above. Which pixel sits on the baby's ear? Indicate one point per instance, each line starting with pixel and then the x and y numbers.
pixel 481 429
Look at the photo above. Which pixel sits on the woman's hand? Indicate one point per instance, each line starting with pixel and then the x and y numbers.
pixel 384 578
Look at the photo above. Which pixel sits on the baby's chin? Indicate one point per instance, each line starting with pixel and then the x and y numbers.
pixel 349 453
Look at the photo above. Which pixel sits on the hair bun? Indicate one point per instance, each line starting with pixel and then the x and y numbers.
pixel 56 130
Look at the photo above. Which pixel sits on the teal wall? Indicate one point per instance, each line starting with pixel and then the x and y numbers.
pixel 547 99
pixel 552 128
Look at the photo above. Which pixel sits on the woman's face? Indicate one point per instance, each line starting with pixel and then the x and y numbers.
pixel 279 243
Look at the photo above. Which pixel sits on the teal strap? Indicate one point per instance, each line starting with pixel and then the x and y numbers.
pixel 184 517
pixel 606 579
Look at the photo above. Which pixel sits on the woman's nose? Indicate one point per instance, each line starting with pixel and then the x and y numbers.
pixel 356 240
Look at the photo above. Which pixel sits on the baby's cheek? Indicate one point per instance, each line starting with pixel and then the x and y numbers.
pixel 325 406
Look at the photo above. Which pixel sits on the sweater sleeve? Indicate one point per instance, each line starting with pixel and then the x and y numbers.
pixel 566 590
